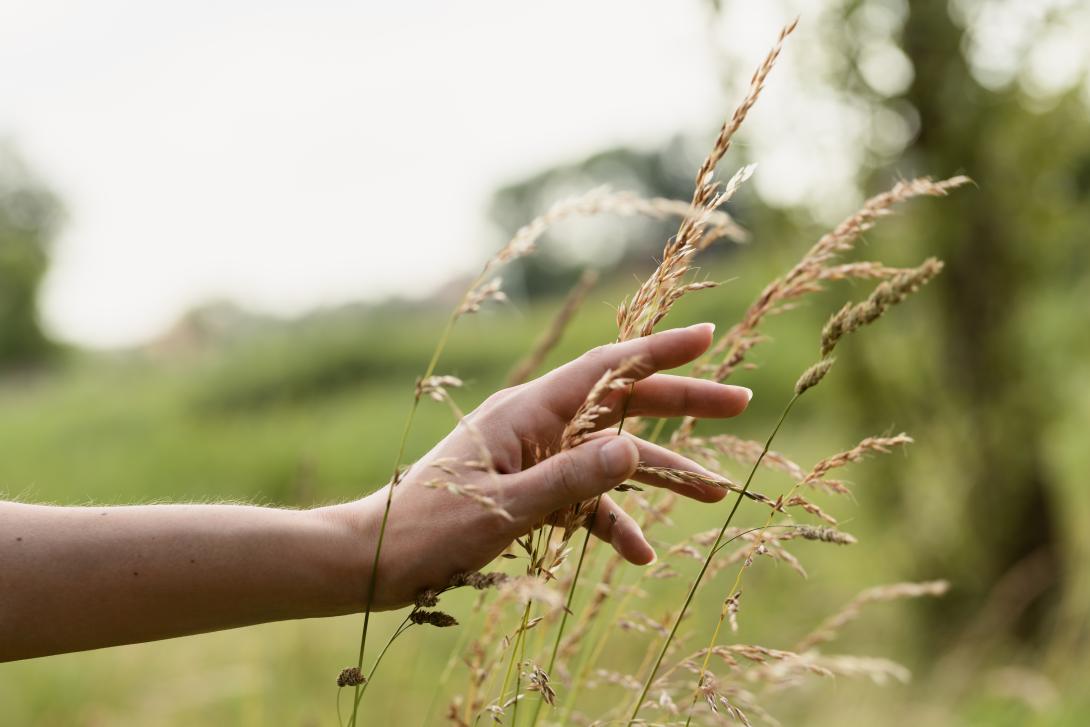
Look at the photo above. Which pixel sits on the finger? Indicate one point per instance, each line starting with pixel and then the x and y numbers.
pixel 571 476
pixel 659 456
pixel 616 527
pixel 663 395
pixel 566 387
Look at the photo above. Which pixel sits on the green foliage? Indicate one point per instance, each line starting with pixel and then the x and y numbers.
pixel 138 429
pixel 28 219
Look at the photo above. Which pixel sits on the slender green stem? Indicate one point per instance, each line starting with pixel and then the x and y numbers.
pixel 511 662
pixel 655 434
pixel 571 590
pixel 518 672
pixel 595 653
pixel 448 669
pixel 724 609
pixel 567 605
pixel 402 628
pixel 707 561
pixel 443 338
pixel 579 566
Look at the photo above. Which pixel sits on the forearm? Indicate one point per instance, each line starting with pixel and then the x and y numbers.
pixel 82 578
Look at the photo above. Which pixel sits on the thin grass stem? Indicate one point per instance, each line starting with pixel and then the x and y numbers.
pixel 511 662
pixel 373 581
pixel 707 561
pixel 733 590
pixel 402 628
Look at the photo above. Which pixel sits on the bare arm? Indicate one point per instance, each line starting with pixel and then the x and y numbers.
pixel 74 578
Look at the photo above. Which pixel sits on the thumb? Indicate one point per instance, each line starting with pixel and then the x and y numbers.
pixel 571 476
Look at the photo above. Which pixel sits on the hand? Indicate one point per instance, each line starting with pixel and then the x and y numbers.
pixel 432 533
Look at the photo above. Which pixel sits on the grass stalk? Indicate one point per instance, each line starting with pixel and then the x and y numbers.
pixel 724 609
pixel 655 434
pixel 402 628
pixel 595 652
pixel 707 562
pixel 511 662
pixel 373 581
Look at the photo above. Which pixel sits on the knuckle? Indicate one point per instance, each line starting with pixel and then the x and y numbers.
pixel 597 353
pixel 566 475
pixel 497 398
pixel 495 402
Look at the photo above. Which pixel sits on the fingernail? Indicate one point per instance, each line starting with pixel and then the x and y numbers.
pixel 749 393
pixel 616 457
pixel 709 326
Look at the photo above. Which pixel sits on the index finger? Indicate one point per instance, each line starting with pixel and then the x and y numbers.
pixel 569 384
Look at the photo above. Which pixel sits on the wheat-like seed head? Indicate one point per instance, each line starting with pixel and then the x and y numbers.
pixel 814 267
pixel 667 284
pixel 747 451
pixel 654 299
pixel 813 376
pixel 888 293
pixel 869 445
pixel 601 200
pixel 829 628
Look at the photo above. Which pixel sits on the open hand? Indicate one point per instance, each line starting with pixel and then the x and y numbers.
pixel 434 533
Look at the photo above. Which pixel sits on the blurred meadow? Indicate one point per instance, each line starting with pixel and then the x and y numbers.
pixel 988 368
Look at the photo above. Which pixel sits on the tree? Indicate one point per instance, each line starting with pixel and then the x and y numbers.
pixel 29 216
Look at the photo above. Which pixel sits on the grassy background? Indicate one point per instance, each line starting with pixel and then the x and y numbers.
pixel 308 413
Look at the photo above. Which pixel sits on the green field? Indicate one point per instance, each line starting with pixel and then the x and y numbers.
pixel 307 413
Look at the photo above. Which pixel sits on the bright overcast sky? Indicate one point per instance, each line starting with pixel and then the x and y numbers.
pixel 289 155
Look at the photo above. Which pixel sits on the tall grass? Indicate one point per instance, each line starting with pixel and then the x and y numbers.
pixel 487 287
pixel 563 625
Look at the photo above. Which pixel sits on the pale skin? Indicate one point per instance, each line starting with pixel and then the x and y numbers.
pixel 76 578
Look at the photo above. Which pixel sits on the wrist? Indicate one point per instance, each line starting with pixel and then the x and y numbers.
pixel 347 557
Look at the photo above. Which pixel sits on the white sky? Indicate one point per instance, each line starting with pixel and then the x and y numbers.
pixel 289 155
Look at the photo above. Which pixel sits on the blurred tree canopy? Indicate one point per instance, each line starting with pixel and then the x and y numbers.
pixel 1011 245
pixel 597 242
pixel 29 216
pixel 1010 310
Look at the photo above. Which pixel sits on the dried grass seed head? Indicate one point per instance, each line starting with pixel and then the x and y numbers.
pixel 813 376
pixel 435 387
pixel 805 277
pixel 350 677
pixel 890 292
pixel 433 618
pixel 477 580
pixel 657 295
